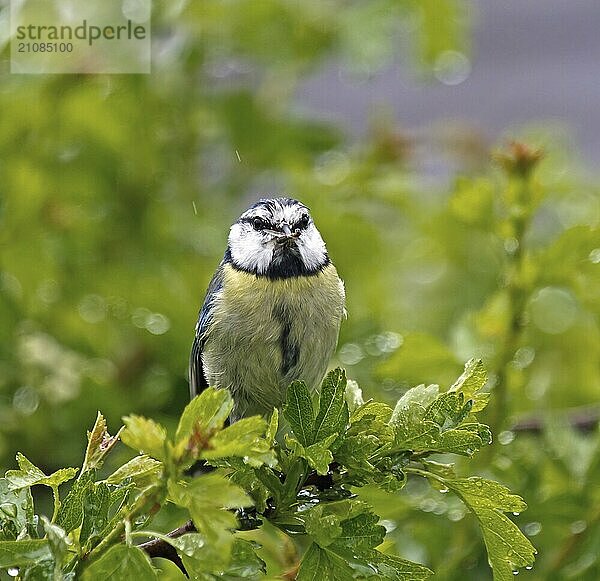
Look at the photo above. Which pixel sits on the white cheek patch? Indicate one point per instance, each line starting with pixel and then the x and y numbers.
pixel 312 248
pixel 248 251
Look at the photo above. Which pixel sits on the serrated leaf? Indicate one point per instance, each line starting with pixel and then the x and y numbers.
pixel 318 455
pixel 273 426
pixel 483 493
pixel 120 562
pixel 203 416
pixel 448 410
pixel 70 515
pixel 473 379
pixel 145 436
pixel 298 411
pixel 361 532
pixel 271 482
pixel 24 553
pixel 30 475
pixel 340 565
pixel 58 541
pixel 243 439
pixel 207 498
pixel 100 443
pixel 323 529
pixel 508 548
pixel 140 470
pixel 16 512
pixel 420 395
pixel 377 410
pixel 188 544
pixel 245 563
pixel 97 501
pixel 333 409
pixel 353 395
pixel 167 570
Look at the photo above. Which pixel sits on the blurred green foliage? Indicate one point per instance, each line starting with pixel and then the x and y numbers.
pixel 116 193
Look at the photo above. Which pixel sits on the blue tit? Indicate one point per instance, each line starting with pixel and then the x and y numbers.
pixel 272 311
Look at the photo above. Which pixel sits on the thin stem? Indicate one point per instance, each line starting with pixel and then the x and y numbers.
pixel 149 496
pixel 516 287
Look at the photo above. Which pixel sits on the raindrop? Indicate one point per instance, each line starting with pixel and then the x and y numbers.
pixel 158 324
pixel 139 317
pixel 452 68
pixel 456 514
pixel 92 308
pixel 26 400
pixel 578 527
pixel 594 256
pixel 523 357
pixel 533 528
pixel 136 10
pixel 351 354
pixel 516 513
pixel 529 567
pixel 13 571
pixel 372 346
pixel 443 490
pixel 506 437
pixel 9 509
pixel 48 292
pixel 511 245
pixel 515 572
pixel 389 341
pixel 553 310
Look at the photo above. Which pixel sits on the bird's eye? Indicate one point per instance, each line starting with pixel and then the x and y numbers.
pixel 303 222
pixel 259 224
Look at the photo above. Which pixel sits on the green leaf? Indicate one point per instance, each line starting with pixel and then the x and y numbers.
pixel 340 564
pixel 421 395
pixel 273 427
pixel 70 515
pixel 24 553
pixel 100 443
pixel 141 470
pixel 97 501
pixel 473 379
pixel 333 409
pixel 207 498
pixel 318 455
pixel 30 475
pixel 145 436
pixel 508 549
pixel 16 512
pixel 376 410
pixel 120 562
pixel 353 395
pixel 323 529
pixel 167 570
pixel 243 439
pixel 58 542
pixel 203 416
pixel 245 563
pixel 299 412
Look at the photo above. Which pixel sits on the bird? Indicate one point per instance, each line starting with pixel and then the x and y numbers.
pixel 272 311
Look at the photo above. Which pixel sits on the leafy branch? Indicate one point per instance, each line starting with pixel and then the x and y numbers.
pixel 306 483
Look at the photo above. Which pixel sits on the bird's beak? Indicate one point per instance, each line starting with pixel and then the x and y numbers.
pixel 285 228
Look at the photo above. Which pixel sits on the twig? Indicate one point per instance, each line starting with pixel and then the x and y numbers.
pixel 160 548
pixel 583 420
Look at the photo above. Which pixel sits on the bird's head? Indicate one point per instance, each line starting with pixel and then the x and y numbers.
pixel 277 238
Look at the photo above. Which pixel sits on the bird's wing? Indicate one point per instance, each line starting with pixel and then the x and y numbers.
pixel 198 381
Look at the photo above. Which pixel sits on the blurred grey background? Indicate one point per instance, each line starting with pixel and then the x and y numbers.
pixel 532 61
